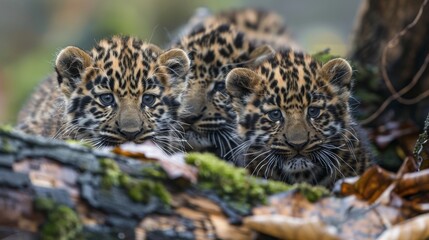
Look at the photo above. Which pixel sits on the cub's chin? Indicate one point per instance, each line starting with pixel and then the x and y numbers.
pixel 297 164
pixel 196 141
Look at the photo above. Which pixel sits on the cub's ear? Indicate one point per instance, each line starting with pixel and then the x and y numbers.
pixel 260 54
pixel 155 49
pixel 241 82
pixel 70 64
pixel 339 73
pixel 176 61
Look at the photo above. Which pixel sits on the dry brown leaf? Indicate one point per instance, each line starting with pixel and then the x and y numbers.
pixel 414 183
pixel 413 229
pixel 375 201
pixel 375 181
pixel 352 218
pixel 285 227
pixel 145 152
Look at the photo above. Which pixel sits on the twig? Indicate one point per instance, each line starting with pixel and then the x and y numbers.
pixel 398 95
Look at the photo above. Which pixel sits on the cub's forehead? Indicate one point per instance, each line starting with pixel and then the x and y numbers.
pixel 122 64
pixel 124 59
pixel 294 71
pixel 124 49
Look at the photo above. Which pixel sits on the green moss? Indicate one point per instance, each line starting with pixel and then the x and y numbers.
pixel 6 146
pixel 111 173
pixel 161 192
pixel 80 143
pixel 61 222
pixel 237 188
pixel 367 82
pixel 232 184
pixel 44 204
pixel 140 190
pixel 154 172
pixel 312 193
pixel 6 128
pixel 324 56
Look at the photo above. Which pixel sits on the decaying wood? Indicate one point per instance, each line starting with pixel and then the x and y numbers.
pixel 32 168
pixel 392 35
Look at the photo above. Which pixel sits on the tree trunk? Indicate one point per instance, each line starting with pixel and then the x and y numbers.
pixel 379 22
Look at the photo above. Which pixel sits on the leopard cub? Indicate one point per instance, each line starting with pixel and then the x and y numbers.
pixel 123 90
pixel 294 118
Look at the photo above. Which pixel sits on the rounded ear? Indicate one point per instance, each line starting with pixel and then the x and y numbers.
pixel 339 73
pixel 176 61
pixel 241 82
pixel 260 54
pixel 71 62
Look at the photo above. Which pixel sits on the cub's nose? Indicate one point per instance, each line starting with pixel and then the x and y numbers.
pixel 130 134
pixel 297 146
pixel 191 119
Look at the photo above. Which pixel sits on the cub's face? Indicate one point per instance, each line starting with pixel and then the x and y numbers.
pixel 123 90
pixel 206 109
pixel 294 116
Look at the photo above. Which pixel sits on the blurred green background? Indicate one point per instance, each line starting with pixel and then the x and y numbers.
pixel 32 32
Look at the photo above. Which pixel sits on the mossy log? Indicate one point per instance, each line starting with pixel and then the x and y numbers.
pixel 51 189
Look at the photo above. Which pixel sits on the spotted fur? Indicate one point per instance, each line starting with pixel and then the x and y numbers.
pixel 260 26
pixel 206 109
pixel 122 90
pixel 295 121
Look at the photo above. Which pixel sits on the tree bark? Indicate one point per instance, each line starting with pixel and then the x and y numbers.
pixel 33 169
pixel 378 22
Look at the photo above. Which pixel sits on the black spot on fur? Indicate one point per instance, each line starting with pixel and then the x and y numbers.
pixel 209 57
pixel 224 28
pixel 74 104
pixel 249 121
pixel 170 101
pixel 257 102
pixel 273 84
pixel 85 101
pixel 89 85
pixel 97 81
pixel 238 41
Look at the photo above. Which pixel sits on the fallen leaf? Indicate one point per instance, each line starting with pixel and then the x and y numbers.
pixel 412 229
pixel 375 180
pixel 285 227
pixel 342 218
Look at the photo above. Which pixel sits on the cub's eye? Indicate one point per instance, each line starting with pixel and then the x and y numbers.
pixel 107 99
pixel 219 86
pixel 313 112
pixel 148 100
pixel 275 115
